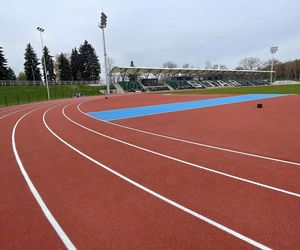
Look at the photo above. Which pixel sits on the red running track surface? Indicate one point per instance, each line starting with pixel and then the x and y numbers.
pixel 97 209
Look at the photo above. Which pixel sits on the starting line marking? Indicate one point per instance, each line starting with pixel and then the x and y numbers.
pixel 157 195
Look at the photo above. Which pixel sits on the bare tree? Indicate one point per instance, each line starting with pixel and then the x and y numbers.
pixel 208 65
pixel 223 66
pixel 169 64
pixel 185 66
pixel 215 66
pixel 267 65
pixel 250 63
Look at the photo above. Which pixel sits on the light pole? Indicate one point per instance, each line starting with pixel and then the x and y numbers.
pixel 41 30
pixel 273 51
pixel 102 25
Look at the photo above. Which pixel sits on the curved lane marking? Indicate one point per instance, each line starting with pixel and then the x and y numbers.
pixel 60 232
pixel 191 142
pixel 155 194
pixel 14 112
pixel 183 161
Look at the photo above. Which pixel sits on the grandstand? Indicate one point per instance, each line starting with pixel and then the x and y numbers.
pixel 159 79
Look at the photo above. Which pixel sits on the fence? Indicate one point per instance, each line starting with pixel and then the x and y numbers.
pixel 8 100
pixel 33 83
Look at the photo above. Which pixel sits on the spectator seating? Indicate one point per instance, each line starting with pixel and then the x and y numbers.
pixel 130 86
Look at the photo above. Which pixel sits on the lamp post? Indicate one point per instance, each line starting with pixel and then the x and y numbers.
pixel 102 25
pixel 41 30
pixel 273 51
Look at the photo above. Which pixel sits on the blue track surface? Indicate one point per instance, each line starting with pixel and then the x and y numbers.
pixel 117 114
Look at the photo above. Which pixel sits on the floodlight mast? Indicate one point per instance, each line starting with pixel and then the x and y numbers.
pixel 102 25
pixel 273 51
pixel 41 30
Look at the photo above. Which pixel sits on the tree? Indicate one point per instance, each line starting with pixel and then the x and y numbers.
pixel 185 66
pixel 222 66
pixel 75 65
pixel 31 64
pixel 22 76
pixel 49 65
pixel 132 64
pixel 64 68
pixel 3 66
pixel 11 74
pixel 250 63
pixel 89 63
pixel 169 64
pixel 267 65
pixel 208 65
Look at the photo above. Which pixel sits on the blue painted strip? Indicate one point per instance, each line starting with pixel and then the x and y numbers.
pixel 117 114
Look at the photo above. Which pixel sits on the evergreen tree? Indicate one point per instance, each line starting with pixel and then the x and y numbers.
pixel 31 64
pixel 75 64
pixel 132 64
pixel 3 66
pixel 49 65
pixel 64 68
pixel 11 74
pixel 89 63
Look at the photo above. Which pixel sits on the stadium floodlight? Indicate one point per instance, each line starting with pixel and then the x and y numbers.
pixel 273 51
pixel 102 25
pixel 41 30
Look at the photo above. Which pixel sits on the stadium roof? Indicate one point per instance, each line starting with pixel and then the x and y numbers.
pixel 183 71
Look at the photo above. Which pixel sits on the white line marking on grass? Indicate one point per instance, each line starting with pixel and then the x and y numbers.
pixel 183 161
pixel 157 195
pixel 194 143
pixel 65 239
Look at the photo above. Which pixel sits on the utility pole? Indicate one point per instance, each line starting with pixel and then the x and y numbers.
pixel 41 30
pixel 102 25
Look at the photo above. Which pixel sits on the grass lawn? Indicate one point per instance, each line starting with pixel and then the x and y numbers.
pixel 274 89
pixel 27 94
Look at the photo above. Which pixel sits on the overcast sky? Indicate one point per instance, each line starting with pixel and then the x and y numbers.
pixel 152 32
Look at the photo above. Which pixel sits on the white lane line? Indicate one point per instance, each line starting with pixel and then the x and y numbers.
pixel 193 143
pixel 60 232
pixel 157 195
pixel 183 161
pixel 27 105
pixel 14 112
pixel 10 108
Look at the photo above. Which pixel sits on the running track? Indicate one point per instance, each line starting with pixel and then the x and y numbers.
pixel 163 181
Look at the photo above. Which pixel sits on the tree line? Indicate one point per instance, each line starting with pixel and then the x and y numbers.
pixel 6 73
pixel 81 65
pixel 289 70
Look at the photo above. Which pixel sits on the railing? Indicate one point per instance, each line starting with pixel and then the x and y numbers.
pixel 32 83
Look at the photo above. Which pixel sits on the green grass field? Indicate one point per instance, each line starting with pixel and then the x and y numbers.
pixel 25 94
pixel 274 89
